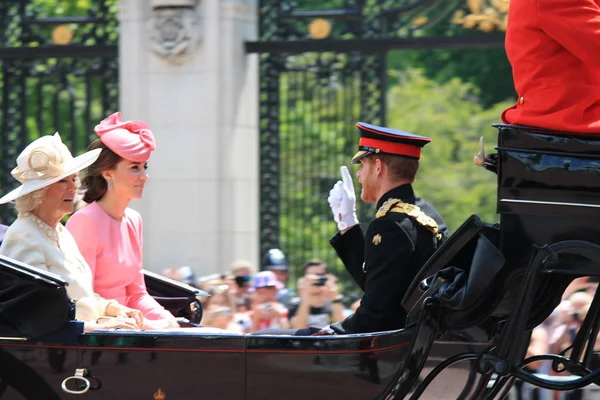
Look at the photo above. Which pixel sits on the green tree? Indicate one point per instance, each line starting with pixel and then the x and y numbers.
pixel 454 118
pixel 486 69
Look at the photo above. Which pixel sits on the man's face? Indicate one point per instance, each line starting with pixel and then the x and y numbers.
pixel 367 177
pixel 312 275
pixel 266 294
pixel 281 275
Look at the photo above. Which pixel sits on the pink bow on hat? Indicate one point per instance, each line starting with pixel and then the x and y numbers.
pixel 132 140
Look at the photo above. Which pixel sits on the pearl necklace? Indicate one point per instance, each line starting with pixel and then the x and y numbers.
pixel 44 227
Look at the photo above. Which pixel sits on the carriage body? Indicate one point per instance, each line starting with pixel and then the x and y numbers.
pixel 548 192
pixel 183 365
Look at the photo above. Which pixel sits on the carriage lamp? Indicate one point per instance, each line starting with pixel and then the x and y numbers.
pixel 173 27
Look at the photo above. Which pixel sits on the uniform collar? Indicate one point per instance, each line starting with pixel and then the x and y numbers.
pixel 402 192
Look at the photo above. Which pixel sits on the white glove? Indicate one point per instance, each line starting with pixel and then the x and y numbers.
pixel 342 201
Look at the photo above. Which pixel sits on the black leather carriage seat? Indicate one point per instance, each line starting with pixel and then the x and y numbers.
pixel 33 302
pixel 468 266
pixel 548 191
pixel 178 298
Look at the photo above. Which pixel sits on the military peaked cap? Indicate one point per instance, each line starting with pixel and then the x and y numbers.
pixel 379 140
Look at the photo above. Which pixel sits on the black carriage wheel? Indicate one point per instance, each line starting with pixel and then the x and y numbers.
pixel 438 369
pixel 471 379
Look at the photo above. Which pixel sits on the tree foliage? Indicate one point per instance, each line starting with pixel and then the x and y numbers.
pixel 487 69
pixel 454 118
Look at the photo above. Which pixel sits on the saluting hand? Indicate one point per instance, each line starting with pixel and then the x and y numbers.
pixel 342 201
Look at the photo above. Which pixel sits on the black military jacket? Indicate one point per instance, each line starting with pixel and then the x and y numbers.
pixel 385 260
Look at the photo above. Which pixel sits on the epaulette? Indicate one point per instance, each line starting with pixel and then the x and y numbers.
pixel 413 211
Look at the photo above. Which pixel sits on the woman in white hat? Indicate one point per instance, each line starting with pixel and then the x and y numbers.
pixel 48 175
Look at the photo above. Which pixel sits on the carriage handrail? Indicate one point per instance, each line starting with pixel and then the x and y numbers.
pixel 33 272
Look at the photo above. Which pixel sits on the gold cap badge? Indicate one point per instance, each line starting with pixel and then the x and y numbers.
pixel 159 395
pixel 376 239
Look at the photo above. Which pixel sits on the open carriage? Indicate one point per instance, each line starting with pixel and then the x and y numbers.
pixel 471 310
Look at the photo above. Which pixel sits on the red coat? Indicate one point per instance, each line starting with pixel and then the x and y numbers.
pixel 554 49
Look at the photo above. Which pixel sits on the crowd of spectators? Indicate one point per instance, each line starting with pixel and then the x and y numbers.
pixel 246 300
pixel 555 335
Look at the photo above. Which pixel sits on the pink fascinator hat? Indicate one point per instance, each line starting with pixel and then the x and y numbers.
pixel 132 140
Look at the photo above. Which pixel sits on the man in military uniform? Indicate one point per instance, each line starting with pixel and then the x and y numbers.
pixel 404 234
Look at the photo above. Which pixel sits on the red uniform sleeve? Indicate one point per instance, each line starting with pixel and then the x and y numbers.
pixel 575 25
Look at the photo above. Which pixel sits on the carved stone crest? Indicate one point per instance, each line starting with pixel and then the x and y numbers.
pixel 174 28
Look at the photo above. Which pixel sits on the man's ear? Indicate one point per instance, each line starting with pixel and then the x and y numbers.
pixel 379 167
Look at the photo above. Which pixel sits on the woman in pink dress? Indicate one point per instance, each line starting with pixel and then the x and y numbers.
pixel 108 233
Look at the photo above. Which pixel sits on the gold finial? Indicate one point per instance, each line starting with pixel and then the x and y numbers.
pixel 479 158
pixel 420 21
pixel 160 395
pixel 320 28
pixel 62 35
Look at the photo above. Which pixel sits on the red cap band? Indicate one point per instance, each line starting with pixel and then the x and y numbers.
pixel 401 149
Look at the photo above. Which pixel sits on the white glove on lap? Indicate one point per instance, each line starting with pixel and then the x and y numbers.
pixel 342 201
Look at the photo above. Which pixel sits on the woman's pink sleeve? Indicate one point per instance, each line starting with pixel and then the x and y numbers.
pixel 139 298
pixel 137 294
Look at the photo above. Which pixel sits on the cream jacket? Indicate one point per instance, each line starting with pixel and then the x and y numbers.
pixel 30 241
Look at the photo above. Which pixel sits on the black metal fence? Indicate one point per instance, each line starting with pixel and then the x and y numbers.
pixel 58 73
pixel 321 97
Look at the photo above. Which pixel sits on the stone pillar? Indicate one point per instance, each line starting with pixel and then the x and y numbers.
pixel 185 72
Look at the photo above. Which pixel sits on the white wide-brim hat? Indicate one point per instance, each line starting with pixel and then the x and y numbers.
pixel 44 162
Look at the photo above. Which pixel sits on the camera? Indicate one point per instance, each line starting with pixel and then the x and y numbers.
pixel 321 281
pixel 242 281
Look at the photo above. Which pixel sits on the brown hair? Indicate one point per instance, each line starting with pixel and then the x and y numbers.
pixel 93 185
pixel 400 167
pixel 314 262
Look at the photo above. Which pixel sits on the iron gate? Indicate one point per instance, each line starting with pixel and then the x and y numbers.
pixel 58 73
pixel 321 72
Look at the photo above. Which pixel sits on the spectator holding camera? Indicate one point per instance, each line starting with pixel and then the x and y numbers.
pixel 241 273
pixel 320 302
pixel 569 321
pixel 267 312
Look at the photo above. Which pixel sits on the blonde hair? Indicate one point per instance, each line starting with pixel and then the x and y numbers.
pixel 31 201
pixel 242 264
